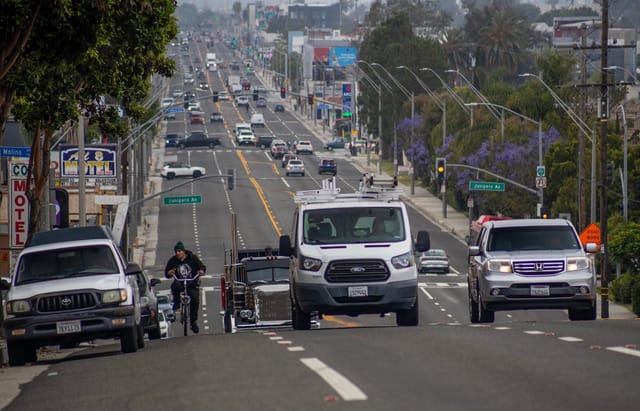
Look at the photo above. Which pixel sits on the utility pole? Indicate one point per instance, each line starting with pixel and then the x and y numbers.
pixel 604 113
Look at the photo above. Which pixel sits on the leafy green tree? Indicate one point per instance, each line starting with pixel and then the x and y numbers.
pixel 76 55
pixel 623 244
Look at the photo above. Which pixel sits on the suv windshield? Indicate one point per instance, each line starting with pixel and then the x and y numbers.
pixel 533 238
pixel 61 263
pixel 353 225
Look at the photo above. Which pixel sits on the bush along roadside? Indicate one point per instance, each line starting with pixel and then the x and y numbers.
pixel 626 290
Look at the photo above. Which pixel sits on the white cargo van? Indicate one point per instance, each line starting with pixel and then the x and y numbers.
pixel 352 254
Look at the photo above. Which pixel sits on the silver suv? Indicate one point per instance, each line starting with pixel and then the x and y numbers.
pixel 530 264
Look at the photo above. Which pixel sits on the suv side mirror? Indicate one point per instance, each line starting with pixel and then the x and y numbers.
pixel 154 281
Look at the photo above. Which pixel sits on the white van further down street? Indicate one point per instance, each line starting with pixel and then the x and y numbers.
pixel 352 254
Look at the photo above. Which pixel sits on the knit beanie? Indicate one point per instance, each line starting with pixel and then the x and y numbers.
pixel 178 246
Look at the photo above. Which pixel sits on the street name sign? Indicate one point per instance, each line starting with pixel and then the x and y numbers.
pixel 486 186
pixel 175 110
pixel 15 151
pixel 194 199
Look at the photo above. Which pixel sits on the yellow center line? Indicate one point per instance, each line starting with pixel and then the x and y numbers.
pixel 261 195
pixel 340 321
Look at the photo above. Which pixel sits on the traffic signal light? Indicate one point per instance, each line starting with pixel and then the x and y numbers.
pixel 441 169
pixel 544 212
pixel 231 178
pixel 346 114
pixel 247 86
pixel 283 92
pixel 310 99
pixel 215 96
pixel 248 67
pixel 610 171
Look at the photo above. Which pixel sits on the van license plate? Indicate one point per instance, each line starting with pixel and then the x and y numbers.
pixel 359 291
pixel 66 327
pixel 539 290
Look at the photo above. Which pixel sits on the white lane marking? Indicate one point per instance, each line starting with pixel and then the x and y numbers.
pixel 443 285
pixel 345 388
pixel 296 348
pixel 275 338
pixel 424 290
pixel 501 328
pixel 624 350
pixel 570 339
pixel 533 332
pixel 284 342
pixel 203 297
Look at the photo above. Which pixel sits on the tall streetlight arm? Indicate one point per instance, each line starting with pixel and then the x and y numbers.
pixel 477 93
pixel 453 94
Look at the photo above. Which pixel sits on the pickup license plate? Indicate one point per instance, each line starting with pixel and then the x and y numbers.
pixel 66 327
pixel 539 290
pixel 359 291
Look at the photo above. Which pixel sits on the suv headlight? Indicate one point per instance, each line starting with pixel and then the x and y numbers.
pixel 402 261
pixel 310 264
pixel 501 266
pixel 114 296
pixel 576 264
pixel 18 307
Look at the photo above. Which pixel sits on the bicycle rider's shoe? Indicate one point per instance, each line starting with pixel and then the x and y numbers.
pixel 194 328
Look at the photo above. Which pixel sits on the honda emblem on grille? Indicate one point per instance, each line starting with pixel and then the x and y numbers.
pixel 66 301
pixel 358 269
pixel 539 266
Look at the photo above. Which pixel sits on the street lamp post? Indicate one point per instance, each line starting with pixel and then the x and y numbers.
pixel 476 92
pixel 378 89
pixel 584 128
pixel 388 87
pixel 410 96
pixel 538 123
pixel 441 104
pixel 625 175
pixel 453 94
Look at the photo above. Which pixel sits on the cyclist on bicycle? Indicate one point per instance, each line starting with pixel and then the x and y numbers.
pixel 185 264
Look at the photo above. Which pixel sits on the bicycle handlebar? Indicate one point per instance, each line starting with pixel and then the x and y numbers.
pixel 185 279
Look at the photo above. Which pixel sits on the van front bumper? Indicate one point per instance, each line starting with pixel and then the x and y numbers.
pixel 351 299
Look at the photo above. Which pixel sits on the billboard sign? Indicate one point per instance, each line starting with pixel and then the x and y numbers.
pixel 342 56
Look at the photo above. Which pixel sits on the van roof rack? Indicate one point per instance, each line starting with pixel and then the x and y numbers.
pixel 381 190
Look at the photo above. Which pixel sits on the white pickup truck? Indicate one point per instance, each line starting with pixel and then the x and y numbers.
pixel 69 286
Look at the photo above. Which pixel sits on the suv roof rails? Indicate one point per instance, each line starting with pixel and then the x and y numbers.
pixel 71 234
pixel 383 190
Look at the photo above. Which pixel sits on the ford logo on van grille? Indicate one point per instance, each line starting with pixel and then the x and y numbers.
pixel 356 271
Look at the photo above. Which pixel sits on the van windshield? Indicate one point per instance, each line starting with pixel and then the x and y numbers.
pixel 67 262
pixel 354 225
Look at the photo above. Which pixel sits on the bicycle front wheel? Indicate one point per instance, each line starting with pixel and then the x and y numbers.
pixel 185 317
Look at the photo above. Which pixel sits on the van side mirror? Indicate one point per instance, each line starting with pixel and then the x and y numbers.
pixel 284 248
pixel 423 242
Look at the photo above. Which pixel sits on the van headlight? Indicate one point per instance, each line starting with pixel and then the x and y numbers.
pixel 310 264
pixel 501 266
pixel 576 264
pixel 402 261
pixel 18 307
pixel 114 296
